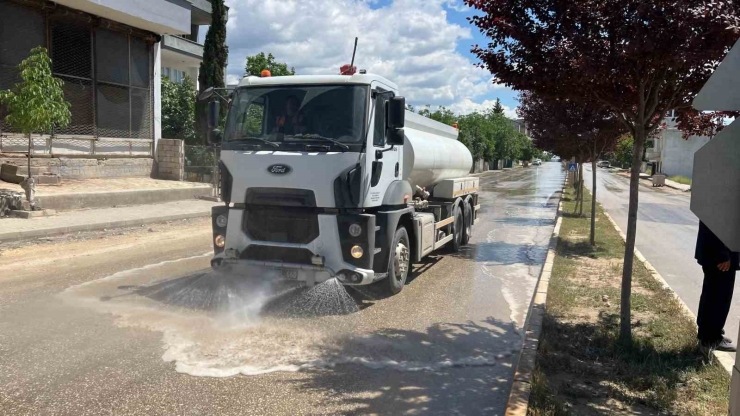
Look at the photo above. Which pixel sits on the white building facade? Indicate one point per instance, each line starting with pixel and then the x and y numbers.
pixel 110 55
pixel 673 154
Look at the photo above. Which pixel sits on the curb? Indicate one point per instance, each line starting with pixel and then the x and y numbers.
pixel 518 402
pixel 724 358
pixel 27 235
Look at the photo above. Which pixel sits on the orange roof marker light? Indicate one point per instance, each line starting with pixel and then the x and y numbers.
pixel 265 73
pixel 455 126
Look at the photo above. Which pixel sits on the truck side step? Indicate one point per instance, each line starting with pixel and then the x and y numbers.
pixel 446 221
pixel 443 241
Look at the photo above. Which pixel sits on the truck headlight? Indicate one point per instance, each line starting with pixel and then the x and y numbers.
pixel 355 230
pixel 221 221
pixel 356 252
pixel 220 241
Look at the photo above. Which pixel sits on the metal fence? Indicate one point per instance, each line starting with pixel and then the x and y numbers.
pixel 201 165
pixel 62 145
pixel 107 70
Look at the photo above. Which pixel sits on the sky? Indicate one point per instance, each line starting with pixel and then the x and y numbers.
pixel 421 45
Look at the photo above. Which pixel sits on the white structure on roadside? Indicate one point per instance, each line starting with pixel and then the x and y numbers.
pixel 673 154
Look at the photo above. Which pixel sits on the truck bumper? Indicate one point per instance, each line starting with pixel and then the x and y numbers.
pixel 308 274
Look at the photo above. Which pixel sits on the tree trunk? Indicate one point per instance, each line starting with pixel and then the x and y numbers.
pixel 592 237
pixel 580 186
pixel 30 144
pixel 625 332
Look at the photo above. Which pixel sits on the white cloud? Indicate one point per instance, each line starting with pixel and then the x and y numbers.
pixel 467 106
pixel 410 42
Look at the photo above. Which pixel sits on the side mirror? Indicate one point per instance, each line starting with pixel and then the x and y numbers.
pixel 396 113
pixel 395 137
pixel 206 94
pixel 213 113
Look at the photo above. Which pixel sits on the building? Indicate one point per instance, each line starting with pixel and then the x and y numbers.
pixel 110 55
pixel 183 54
pixel 671 153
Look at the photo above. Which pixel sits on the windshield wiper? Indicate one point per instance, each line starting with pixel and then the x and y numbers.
pixel 252 138
pixel 320 137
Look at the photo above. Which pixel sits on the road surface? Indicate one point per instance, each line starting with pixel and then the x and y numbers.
pixel 666 235
pixel 136 323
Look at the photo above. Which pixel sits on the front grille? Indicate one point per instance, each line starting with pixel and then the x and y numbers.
pixel 281 225
pixel 281 254
pixel 281 215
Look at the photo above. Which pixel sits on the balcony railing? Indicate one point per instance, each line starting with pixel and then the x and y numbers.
pixel 183 45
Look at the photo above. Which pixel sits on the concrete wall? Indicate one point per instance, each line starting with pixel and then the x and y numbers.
pixel 677 154
pixel 74 168
pixel 171 159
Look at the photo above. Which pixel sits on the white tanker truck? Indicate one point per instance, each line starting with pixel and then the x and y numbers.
pixel 330 177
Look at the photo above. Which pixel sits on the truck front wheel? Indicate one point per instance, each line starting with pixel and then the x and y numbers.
pixel 400 261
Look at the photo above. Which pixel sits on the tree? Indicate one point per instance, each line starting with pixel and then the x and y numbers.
pixel 582 127
pixel 36 104
pixel 178 110
pixel 256 63
pixel 636 58
pixel 498 108
pixel 215 58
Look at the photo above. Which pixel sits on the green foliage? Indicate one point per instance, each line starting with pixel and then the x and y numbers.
pixel 527 151
pixel 257 63
pixel 215 51
pixel 37 103
pixel 623 151
pixel 498 108
pixel 442 114
pixel 215 58
pixel 178 110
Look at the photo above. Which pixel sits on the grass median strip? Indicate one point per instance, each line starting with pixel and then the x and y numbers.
pixel 583 369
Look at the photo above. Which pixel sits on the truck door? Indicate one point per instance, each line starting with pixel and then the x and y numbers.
pixel 383 163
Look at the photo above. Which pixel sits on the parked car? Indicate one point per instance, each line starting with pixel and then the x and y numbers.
pixel 537 162
pixel 603 164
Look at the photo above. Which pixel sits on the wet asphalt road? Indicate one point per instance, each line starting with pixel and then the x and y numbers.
pixel 666 235
pixel 137 324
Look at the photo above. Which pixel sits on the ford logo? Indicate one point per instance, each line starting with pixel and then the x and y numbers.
pixel 279 169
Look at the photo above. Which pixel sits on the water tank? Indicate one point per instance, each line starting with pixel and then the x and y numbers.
pixel 432 152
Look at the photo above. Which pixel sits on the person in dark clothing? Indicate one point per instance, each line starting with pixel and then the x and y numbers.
pixel 719 265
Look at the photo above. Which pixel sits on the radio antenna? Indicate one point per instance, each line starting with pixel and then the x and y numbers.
pixel 352 64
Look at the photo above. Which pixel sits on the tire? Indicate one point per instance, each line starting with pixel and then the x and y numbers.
pixel 468 225
pixel 457 230
pixel 399 261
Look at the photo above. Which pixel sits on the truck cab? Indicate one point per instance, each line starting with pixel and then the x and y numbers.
pixel 316 179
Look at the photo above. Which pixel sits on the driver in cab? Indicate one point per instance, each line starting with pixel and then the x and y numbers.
pixel 291 122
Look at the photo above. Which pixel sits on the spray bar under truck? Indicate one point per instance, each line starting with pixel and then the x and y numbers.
pixel 330 177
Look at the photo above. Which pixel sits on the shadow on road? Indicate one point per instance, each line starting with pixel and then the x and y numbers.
pixel 472 365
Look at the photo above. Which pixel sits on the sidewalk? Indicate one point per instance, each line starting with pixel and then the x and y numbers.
pixel 669 183
pixel 102 218
pixel 111 192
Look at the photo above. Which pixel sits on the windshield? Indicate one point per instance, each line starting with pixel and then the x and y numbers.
pixel 295 115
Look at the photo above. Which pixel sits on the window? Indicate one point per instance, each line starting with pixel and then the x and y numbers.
pixel 173 74
pixel 106 72
pixel 381 113
pixel 299 115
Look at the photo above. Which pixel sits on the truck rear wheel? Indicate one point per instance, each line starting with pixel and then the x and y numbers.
pixel 457 230
pixel 399 261
pixel 468 221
